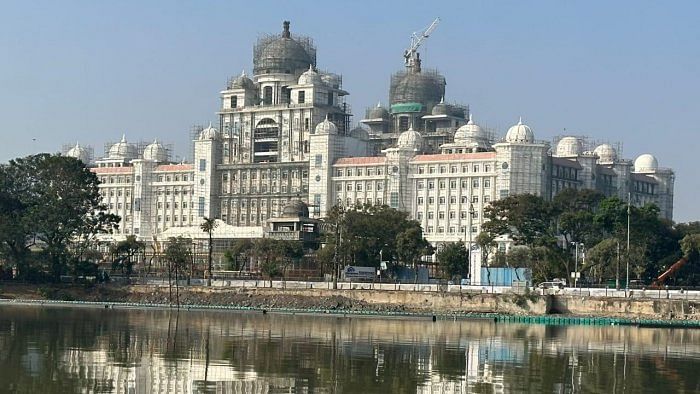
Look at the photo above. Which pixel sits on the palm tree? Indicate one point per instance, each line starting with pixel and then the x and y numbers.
pixel 208 227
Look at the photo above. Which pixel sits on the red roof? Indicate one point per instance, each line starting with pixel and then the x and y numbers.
pixel 456 156
pixel 112 170
pixel 361 160
pixel 175 167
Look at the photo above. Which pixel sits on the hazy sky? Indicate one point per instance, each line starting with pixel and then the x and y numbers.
pixel 624 71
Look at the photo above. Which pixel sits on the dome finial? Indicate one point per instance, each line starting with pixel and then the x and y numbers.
pixel 123 138
pixel 77 144
pixel 210 124
pixel 285 29
pixel 471 121
pixel 243 73
pixel 520 120
pixel 379 104
pixel 442 100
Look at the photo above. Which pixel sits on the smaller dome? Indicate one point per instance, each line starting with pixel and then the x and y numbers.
pixel 520 133
pixel 310 77
pixel 209 133
pixel 78 152
pixel 441 108
pixel 331 80
pixel 295 209
pixel 359 133
pixel 606 154
pixel 469 132
pixel 569 146
pixel 378 112
pixel 410 139
pixel 646 163
pixel 326 127
pixel 122 150
pixel 156 152
pixel 242 82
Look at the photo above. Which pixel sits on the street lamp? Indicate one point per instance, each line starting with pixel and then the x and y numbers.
pixel 576 274
pixel 629 209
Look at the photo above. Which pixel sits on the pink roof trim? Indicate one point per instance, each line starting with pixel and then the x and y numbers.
pixel 175 167
pixel 455 156
pixel 112 170
pixel 360 160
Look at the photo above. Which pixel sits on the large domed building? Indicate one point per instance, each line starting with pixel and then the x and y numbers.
pixel 282 152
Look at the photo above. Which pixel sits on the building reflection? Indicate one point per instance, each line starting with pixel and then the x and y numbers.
pixel 197 352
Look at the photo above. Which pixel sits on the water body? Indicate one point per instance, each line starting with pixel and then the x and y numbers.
pixel 65 350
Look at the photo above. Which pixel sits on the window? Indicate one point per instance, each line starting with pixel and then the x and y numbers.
pixel 421 170
pixel 419 215
pixel 476 168
pixel 267 95
pixel 431 170
pixel 394 200
pixel 348 187
pixel 465 185
pixel 420 185
pixel 453 199
pixel 338 172
pixel 403 123
pixel 201 207
pixel 487 167
pixel 453 169
pixel 475 199
pixel 475 183
pixel 202 167
pixel 487 199
pixel 369 186
pixel 234 101
pixel 319 160
pixel 441 215
pixel 431 215
pixel 380 186
pixel 301 97
pixel 442 169
pixel 453 184
pixel 442 200
pixel 442 184
pixel 465 199
pixel 431 185
pixel 358 186
pixel 430 229
pixel 487 183
pixel 420 201
pixel 431 200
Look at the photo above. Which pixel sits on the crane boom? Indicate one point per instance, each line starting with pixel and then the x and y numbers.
pixel 417 39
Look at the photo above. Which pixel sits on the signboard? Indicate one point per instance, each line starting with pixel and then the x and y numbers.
pixel 356 272
pixel 576 275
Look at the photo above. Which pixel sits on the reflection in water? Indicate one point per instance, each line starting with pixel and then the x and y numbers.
pixel 59 350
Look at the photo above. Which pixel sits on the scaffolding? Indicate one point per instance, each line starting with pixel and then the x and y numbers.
pixel 138 148
pixel 88 151
pixel 283 54
pixel 588 144
pixel 426 87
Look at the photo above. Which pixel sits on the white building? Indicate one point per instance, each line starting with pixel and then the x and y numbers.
pixel 284 134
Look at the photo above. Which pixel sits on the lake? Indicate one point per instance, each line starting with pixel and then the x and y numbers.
pixel 70 349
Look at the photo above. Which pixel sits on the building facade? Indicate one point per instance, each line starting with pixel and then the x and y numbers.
pixel 284 135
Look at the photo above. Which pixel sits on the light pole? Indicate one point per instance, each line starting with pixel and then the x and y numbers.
pixel 629 211
pixel 469 244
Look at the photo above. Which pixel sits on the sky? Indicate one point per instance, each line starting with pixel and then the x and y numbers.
pixel 622 71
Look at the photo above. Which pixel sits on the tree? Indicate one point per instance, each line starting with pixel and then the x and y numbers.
pixel 454 260
pixel 411 246
pixel 208 227
pixel 525 217
pixel 268 251
pixel 232 256
pixel 574 211
pixel 124 253
pixel 53 199
pixel 178 254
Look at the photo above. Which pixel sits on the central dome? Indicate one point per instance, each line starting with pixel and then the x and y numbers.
pixel 283 54
pixel 426 88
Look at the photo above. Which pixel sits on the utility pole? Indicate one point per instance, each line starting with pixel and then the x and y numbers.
pixel 472 271
pixel 617 269
pixel 576 264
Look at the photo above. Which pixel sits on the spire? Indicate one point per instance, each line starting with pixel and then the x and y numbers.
pixel 470 119
pixel 379 104
pixel 123 138
pixel 520 120
pixel 442 100
pixel 243 73
pixel 210 124
pixel 77 144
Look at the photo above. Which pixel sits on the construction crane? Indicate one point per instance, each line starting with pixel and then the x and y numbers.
pixel 417 38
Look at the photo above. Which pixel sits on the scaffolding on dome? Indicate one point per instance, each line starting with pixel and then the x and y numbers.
pixel 426 87
pixel 273 53
pixel 90 151
pixel 589 144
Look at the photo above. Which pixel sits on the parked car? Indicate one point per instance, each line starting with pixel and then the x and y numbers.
pixel 553 284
